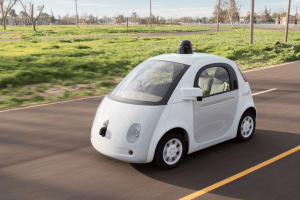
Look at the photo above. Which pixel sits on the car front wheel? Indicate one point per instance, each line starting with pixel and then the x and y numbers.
pixel 170 151
pixel 246 127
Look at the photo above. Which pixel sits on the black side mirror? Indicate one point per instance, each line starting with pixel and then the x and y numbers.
pixel 235 84
pixel 199 98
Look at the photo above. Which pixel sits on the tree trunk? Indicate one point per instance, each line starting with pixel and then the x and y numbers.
pixel 229 13
pixel 4 23
pixel 32 19
pixel 33 25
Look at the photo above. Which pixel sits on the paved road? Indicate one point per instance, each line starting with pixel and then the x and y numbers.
pixel 45 153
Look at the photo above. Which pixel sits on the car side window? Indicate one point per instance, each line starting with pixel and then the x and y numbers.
pixel 214 80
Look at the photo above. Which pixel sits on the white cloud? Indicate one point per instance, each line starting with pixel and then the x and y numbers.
pixel 276 4
pixel 244 12
pixel 63 2
pixel 80 4
pixel 86 4
pixel 178 12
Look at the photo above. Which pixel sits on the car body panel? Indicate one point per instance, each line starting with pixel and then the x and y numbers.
pixel 214 115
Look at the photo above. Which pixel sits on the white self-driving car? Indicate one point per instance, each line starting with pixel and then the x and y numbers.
pixel 172 105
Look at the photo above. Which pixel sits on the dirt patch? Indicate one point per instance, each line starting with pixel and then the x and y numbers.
pixel 118 79
pixel 53 92
pixel 5 33
pixel 6 37
pixel 131 35
pixel 9 40
pixel 2 97
pixel 60 89
pixel 276 29
pixel 146 34
pixel 177 33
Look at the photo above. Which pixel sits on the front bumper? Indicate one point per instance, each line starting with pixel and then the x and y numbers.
pixel 119 151
pixel 121 116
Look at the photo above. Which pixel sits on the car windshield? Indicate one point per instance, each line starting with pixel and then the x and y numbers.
pixel 150 81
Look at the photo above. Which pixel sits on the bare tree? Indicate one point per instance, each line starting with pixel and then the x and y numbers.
pixel 91 19
pixel 6 10
pixel 232 11
pixel 120 19
pixel 84 18
pixel 227 11
pixel 52 19
pixel 134 17
pixel 104 19
pixel 23 17
pixel 31 14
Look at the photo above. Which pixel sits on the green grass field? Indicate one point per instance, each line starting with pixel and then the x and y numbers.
pixel 36 70
pixel 25 32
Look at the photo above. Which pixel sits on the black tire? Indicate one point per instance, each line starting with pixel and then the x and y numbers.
pixel 159 152
pixel 242 134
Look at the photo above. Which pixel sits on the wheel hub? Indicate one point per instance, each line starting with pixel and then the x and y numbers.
pixel 172 151
pixel 247 126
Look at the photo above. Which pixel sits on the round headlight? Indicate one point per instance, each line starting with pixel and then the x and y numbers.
pixel 133 133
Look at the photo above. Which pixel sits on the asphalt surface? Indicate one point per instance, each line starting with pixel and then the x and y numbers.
pixel 45 153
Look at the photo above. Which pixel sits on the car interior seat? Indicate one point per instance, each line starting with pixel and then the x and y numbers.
pixel 205 83
pixel 220 81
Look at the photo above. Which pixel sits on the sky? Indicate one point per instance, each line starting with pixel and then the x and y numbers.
pixel 164 8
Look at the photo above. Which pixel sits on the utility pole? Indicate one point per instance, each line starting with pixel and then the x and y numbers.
pixel 296 15
pixel 218 16
pixel 287 22
pixel 150 16
pixel 251 22
pixel 76 15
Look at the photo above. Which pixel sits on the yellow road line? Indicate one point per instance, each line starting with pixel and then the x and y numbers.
pixel 239 175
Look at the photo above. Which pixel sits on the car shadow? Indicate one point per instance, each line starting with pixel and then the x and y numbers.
pixel 209 166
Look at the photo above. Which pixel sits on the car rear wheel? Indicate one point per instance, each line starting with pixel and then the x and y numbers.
pixel 246 127
pixel 170 151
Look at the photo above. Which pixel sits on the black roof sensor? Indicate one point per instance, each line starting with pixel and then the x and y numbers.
pixel 185 47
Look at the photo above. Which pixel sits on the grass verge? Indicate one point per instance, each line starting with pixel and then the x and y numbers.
pixel 45 70
pixel 53 31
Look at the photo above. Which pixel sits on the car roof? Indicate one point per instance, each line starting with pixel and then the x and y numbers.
pixel 187 59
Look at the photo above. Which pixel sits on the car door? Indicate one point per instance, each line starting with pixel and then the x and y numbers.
pixel 213 114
